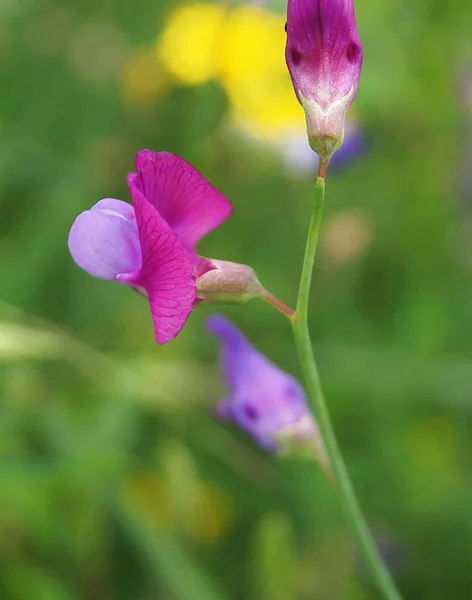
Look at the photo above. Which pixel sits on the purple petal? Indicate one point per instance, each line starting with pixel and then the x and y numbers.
pixel 116 207
pixel 166 274
pixel 234 347
pixel 224 410
pixel 263 399
pixel 323 51
pixel 227 333
pixel 190 205
pixel 105 244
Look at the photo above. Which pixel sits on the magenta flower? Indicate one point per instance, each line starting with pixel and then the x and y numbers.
pixel 151 245
pixel 266 402
pixel 324 57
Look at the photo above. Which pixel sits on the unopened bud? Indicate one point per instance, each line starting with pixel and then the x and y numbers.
pixel 325 128
pixel 324 58
pixel 229 282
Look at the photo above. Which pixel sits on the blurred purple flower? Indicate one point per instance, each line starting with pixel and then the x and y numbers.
pixel 151 247
pixel 354 146
pixel 266 402
pixel 324 57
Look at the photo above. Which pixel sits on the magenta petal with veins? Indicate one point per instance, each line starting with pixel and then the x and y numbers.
pixel 151 245
pixel 166 274
pixel 191 206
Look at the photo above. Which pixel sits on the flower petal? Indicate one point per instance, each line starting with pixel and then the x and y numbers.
pixel 105 245
pixel 190 205
pixel 262 399
pixel 234 347
pixel 116 207
pixel 323 52
pixel 224 410
pixel 166 274
pixel 227 333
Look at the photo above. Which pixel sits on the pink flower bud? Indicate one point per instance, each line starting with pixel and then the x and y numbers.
pixel 229 282
pixel 324 58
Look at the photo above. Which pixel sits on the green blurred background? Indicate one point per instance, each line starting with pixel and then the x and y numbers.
pixel 116 481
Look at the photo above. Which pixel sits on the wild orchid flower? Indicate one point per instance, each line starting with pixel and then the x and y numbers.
pixel 324 57
pixel 151 245
pixel 266 402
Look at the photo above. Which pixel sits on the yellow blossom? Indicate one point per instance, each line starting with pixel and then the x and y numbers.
pixel 208 514
pixel 201 510
pixel 254 74
pixel 243 49
pixel 152 498
pixel 188 46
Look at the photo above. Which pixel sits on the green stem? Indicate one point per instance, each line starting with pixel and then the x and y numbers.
pixel 354 516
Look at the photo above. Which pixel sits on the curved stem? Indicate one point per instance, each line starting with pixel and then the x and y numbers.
pixel 354 516
pixel 278 304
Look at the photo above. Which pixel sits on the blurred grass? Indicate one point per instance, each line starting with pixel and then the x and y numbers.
pixel 115 480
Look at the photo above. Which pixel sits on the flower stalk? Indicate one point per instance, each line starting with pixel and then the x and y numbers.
pixel 378 570
pixel 278 304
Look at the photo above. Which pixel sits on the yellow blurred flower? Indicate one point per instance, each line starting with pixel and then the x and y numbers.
pixel 188 46
pixel 152 498
pixel 243 49
pixel 202 511
pixel 142 79
pixel 207 515
pixel 254 74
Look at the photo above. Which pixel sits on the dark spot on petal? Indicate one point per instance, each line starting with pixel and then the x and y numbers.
pixel 285 26
pixel 352 52
pixel 295 57
pixel 250 412
pixel 292 390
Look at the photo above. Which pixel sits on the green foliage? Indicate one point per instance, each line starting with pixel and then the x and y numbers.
pixel 115 480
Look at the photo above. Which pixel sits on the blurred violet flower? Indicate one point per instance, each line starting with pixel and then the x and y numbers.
pixel 324 57
pixel 266 402
pixel 150 246
pixel 354 146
